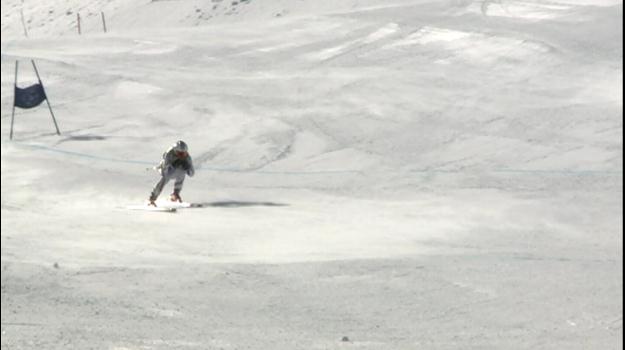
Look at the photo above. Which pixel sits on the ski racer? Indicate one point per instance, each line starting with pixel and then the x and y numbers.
pixel 176 164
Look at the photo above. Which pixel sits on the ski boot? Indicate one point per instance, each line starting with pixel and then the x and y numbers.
pixel 152 201
pixel 175 197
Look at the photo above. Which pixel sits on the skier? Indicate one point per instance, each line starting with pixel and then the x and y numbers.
pixel 176 164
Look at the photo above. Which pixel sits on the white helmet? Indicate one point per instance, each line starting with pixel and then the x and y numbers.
pixel 181 146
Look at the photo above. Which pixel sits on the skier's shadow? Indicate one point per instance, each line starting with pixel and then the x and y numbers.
pixel 84 138
pixel 236 204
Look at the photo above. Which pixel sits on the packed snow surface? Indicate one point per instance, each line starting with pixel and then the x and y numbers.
pixel 371 174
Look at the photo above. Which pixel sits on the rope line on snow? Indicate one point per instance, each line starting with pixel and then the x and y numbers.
pixel 326 172
pixel 151 164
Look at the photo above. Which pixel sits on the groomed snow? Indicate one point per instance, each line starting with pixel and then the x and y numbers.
pixel 406 174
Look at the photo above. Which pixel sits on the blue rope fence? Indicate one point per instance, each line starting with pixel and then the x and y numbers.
pixel 560 172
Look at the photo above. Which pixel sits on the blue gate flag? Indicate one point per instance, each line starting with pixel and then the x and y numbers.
pixel 29 97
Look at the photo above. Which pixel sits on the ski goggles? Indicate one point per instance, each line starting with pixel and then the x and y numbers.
pixel 182 154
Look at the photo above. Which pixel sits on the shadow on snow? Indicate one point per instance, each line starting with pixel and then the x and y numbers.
pixel 236 204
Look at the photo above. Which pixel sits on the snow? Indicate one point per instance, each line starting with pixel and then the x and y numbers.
pixel 403 174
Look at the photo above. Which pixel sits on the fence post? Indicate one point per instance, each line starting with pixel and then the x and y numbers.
pixel 23 23
pixel 103 21
pixel 78 22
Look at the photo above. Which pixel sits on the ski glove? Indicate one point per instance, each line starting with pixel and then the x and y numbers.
pixel 179 163
pixel 169 171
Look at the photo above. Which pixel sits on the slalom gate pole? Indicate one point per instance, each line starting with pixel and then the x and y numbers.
pixel 13 113
pixel 47 101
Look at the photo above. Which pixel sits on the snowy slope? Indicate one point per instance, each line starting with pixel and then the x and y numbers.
pixel 410 174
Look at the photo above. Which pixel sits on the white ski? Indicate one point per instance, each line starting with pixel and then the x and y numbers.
pixel 147 207
pixel 173 205
pixel 164 205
